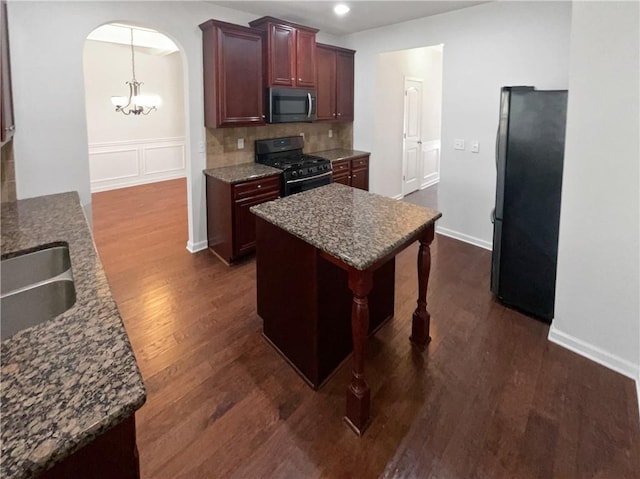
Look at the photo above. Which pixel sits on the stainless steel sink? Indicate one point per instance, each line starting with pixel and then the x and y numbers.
pixel 36 286
pixel 30 268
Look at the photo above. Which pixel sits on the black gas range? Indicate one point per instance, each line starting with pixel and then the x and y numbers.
pixel 300 172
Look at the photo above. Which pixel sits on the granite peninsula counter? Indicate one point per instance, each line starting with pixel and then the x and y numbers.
pixel 319 255
pixel 243 172
pixel 68 381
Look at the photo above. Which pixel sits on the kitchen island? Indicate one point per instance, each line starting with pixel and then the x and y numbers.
pixel 360 233
pixel 70 385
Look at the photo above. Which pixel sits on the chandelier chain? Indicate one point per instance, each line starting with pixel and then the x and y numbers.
pixel 133 64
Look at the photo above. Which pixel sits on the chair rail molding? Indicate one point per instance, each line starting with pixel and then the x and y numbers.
pixel 119 164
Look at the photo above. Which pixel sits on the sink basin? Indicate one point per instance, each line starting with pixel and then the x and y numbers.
pixel 35 287
pixel 30 268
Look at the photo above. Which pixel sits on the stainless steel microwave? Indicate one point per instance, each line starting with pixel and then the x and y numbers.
pixel 289 105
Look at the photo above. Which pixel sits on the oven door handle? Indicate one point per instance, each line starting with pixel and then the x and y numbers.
pixel 309 178
pixel 310 105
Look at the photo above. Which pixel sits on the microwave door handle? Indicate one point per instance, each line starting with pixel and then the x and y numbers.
pixel 310 105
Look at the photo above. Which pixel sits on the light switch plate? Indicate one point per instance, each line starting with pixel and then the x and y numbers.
pixel 240 143
pixel 475 147
pixel 458 144
pixel 330 133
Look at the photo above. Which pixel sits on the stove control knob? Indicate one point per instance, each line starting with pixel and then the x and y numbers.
pixel 300 172
pixel 294 173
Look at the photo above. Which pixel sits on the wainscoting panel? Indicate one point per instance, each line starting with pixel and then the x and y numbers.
pixel 114 164
pixel 431 163
pixel 163 159
pixel 120 164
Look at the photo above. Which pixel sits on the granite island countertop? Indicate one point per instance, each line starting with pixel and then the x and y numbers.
pixel 353 225
pixel 338 154
pixel 70 379
pixel 243 172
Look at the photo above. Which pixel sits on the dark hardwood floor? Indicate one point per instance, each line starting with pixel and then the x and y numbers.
pixel 491 397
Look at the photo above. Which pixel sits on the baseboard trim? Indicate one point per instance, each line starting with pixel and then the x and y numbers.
pixel 138 181
pixel 397 197
pixel 431 182
pixel 195 247
pixel 595 354
pixel 463 237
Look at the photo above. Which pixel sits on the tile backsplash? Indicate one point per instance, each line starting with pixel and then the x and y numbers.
pixel 222 143
pixel 7 165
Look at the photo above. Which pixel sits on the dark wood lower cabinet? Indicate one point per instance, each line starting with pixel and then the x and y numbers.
pixel 305 303
pixel 231 230
pixel 112 455
pixel 352 172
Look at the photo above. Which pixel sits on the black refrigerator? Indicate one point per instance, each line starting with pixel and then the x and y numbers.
pixel 529 158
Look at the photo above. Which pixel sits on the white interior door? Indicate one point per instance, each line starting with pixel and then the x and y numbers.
pixel 412 136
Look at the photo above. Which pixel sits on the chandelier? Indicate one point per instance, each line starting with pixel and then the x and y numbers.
pixel 135 103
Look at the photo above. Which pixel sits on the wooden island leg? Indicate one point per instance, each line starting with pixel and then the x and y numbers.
pixel 358 392
pixel 420 326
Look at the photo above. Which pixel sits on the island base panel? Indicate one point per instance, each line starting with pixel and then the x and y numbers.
pixel 305 303
pixel 112 455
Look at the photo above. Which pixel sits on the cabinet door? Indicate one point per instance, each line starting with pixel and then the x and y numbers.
pixel 342 178
pixel 360 179
pixel 233 89
pixel 281 55
pixel 344 86
pixel 244 223
pixel 326 83
pixel 305 59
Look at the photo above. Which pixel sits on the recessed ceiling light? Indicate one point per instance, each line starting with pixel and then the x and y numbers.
pixel 341 9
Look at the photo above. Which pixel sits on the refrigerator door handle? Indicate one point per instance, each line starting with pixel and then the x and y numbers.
pixel 493 216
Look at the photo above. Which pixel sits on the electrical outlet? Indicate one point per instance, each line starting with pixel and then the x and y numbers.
pixel 475 147
pixel 330 133
pixel 458 144
pixel 240 143
pixel 302 135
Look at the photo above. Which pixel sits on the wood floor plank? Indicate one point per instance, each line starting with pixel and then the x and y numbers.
pixel 489 398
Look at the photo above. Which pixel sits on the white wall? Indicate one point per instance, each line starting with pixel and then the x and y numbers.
pixel 46 41
pixel 598 283
pixel 485 48
pixel 391 69
pixel 129 150
pixel 107 66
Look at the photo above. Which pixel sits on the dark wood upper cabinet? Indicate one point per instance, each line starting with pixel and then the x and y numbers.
pixel 335 79
pixel 344 84
pixel 326 83
pixel 233 86
pixel 7 126
pixel 289 51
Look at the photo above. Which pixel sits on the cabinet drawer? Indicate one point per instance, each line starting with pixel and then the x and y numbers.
pixel 339 166
pixel 360 162
pixel 256 187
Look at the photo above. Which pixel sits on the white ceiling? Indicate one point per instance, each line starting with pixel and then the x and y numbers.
pixel 364 14
pixel 155 42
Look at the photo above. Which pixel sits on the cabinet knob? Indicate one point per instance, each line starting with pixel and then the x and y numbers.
pixel 353 176
pixel 299 79
pixel 339 114
pixel 10 128
pixel 263 116
pixel 292 79
pixel 259 186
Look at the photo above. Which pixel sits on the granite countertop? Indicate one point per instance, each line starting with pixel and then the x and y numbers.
pixel 70 379
pixel 353 225
pixel 243 172
pixel 339 154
